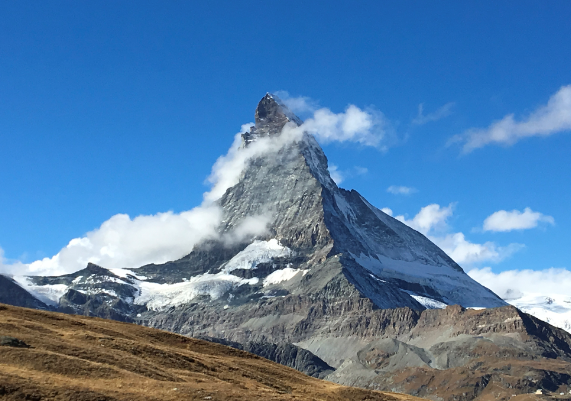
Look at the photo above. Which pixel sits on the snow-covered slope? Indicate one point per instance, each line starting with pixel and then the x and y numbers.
pixel 554 309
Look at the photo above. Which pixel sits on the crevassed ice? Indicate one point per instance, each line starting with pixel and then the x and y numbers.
pixel 48 294
pixel 158 296
pixel 255 253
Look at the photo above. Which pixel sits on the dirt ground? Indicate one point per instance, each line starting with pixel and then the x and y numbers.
pixel 90 359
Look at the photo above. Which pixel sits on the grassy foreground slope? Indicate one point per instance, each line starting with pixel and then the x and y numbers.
pixel 81 358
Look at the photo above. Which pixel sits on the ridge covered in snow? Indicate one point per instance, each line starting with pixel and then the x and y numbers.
pixel 554 309
pixel 157 296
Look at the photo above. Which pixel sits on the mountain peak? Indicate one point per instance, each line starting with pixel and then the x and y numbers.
pixel 271 116
pixel 272 110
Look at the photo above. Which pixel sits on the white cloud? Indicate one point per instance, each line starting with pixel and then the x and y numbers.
pixel 401 190
pixel 335 174
pixel 299 104
pixel 430 218
pixel 513 283
pixel 369 128
pixel 468 253
pixel 547 120
pixel 125 242
pixel 387 211
pixel 503 220
pixel 440 113
pixel 339 176
pixel 432 221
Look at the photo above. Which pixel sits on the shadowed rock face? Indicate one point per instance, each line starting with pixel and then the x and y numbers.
pixel 11 293
pixel 345 282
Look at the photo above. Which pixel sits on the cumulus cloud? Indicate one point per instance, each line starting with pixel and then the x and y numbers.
pixel 430 218
pixel 512 284
pixel 552 118
pixel 440 113
pixel 367 128
pixel 401 190
pixel 432 221
pixel 387 211
pixel 465 252
pixel 503 220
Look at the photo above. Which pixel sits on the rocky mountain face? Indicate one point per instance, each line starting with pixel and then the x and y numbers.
pixel 332 275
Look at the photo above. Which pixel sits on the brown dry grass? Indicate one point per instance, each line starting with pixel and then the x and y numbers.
pixel 89 359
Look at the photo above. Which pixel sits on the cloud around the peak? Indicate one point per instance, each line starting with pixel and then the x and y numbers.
pixel 503 220
pixel 297 104
pixel 365 126
pixel 549 119
pixel 124 241
pixel 512 284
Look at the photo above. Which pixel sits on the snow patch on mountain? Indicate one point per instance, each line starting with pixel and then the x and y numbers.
pixel 429 303
pixel 454 286
pixel 282 275
pixel 159 296
pixel 125 273
pixel 255 253
pixel 48 294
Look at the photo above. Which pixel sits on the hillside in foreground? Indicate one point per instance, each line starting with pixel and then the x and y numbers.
pixel 53 356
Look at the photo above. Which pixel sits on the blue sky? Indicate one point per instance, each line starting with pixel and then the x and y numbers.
pixel 123 107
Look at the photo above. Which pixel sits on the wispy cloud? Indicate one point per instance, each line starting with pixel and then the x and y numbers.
pixel 440 113
pixel 341 175
pixel 503 220
pixel 552 118
pixel 336 174
pixel 298 104
pixel 401 190
pixel 432 221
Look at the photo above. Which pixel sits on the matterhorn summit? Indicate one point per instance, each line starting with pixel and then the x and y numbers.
pixel 288 235
pixel 313 276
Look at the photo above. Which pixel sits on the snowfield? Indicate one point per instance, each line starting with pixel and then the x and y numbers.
pixel 48 294
pixel 161 296
pixel 555 309
pixel 282 275
pixel 255 253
